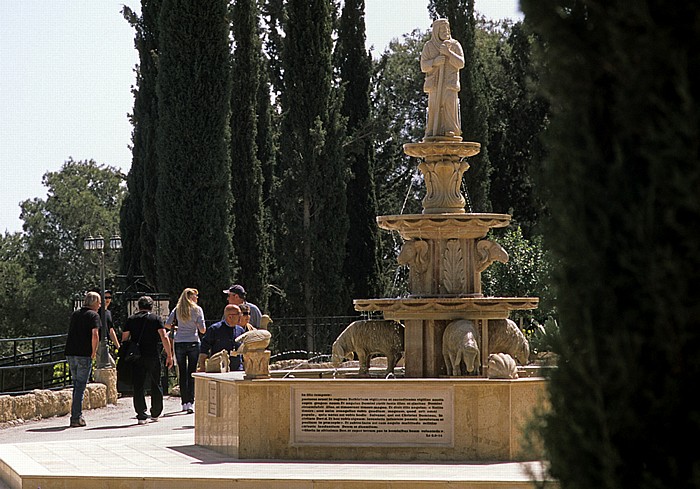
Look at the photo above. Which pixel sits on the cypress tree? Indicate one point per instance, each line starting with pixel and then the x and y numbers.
pixel 273 11
pixel 520 115
pixel 250 235
pixel 266 138
pixel 472 102
pixel 623 171
pixel 361 268
pixel 139 219
pixel 311 243
pixel 194 191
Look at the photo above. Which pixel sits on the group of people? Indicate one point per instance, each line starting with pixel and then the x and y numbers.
pixel 185 327
pixel 194 342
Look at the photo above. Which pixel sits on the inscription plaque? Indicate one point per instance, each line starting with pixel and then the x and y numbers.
pixel 213 404
pixel 371 417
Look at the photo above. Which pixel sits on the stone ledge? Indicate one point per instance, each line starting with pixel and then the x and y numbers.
pixel 46 403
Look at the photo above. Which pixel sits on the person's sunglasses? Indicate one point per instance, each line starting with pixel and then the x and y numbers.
pixel 245 314
pixel 108 297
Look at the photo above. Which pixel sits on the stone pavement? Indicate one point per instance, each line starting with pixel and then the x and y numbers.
pixel 113 452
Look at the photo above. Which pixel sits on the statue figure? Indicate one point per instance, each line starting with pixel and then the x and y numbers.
pixel 441 59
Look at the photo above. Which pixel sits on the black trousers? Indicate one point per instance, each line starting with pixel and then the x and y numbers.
pixel 147 375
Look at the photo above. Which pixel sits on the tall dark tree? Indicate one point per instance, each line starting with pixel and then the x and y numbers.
pixel 311 246
pixel 361 268
pixel 139 219
pixel 623 171
pixel 473 105
pixel 267 130
pixel 519 115
pixel 250 234
pixel 273 11
pixel 194 188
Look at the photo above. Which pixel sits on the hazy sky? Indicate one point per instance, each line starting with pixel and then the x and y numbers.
pixel 67 71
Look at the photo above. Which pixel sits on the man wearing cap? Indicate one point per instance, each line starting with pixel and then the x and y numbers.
pixel 236 296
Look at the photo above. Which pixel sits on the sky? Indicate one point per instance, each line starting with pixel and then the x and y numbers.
pixel 67 70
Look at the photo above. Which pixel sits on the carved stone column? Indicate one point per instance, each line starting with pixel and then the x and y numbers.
pixel 443 166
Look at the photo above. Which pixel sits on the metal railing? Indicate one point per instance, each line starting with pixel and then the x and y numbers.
pixel 39 362
pixel 20 379
pixel 33 350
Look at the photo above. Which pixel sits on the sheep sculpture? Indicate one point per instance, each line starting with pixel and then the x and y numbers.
pixel 505 337
pixel 460 345
pixel 461 340
pixel 369 337
pixel 217 363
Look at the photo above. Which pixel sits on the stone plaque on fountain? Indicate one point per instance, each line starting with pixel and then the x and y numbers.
pixel 333 415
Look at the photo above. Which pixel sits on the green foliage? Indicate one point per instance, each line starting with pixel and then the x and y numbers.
pixel 518 116
pixel 622 173
pixel 361 267
pixel 312 211
pixel 250 234
pixel 83 199
pixel 17 287
pixel 193 198
pixel 527 274
pixel 398 113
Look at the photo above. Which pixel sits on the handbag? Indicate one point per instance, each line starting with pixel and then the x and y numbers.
pixel 129 351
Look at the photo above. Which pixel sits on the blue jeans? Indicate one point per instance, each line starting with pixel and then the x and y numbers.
pixel 187 355
pixel 80 369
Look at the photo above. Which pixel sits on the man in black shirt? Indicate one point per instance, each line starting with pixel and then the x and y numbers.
pixel 81 347
pixel 147 329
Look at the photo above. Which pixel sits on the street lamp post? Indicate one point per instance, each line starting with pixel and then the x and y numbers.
pixel 97 244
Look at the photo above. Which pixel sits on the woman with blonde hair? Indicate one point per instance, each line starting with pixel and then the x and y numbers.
pixel 188 319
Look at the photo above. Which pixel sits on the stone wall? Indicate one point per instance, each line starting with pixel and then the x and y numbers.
pixel 46 403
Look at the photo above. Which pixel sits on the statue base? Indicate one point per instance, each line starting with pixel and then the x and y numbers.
pixel 257 364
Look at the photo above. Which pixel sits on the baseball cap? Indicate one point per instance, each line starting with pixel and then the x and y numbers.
pixel 235 289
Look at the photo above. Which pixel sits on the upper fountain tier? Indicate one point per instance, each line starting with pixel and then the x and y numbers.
pixel 442 165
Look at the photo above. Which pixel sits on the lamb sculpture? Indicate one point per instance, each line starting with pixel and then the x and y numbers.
pixel 460 344
pixel 367 337
pixel 505 337
pixel 217 363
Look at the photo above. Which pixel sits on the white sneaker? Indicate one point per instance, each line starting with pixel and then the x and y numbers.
pixel 190 408
pixel 185 406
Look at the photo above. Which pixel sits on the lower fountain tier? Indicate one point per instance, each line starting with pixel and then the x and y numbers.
pixel 443 226
pixel 446 308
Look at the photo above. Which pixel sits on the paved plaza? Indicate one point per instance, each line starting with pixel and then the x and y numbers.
pixel 112 452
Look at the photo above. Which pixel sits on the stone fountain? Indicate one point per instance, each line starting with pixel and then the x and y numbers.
pixel 425 415
pixel 444 247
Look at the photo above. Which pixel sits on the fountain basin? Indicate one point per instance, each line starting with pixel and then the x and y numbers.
pixel 359 419
pixel 442 226
pixel 447 308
